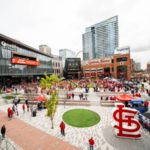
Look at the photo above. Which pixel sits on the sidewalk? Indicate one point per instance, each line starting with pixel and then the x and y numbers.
pixel 29 137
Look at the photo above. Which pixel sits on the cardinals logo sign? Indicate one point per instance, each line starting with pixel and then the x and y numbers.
pixel 125 125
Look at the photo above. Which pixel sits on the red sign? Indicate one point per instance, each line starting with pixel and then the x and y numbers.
pixel 81 74
pixel 87 74
pixel 106 73
pixel 25 62
pixel 100 74
pixel 93 74
pixel 124 125
pixel 121 73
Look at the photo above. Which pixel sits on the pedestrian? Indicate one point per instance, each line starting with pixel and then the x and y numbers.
pixel 28 107
pixel 62 127
pixel 17 111
pixel 91 142
pixel 23 107
pixel 86 96
pixel 146 105
pixel 16 90
pixel 8 110
pixel 72 95
pixel 13 109
pixel 3 131
pixel 11 114
pixel 80 96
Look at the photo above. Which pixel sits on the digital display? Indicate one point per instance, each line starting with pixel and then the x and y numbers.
pixel 73 64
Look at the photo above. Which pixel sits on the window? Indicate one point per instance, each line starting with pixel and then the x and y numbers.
pixel 112 61
pixel 112 69
pixel 121 59
pixel 56 64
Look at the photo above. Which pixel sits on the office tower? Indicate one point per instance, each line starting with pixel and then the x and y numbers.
pixel 101 39
pixel 66 53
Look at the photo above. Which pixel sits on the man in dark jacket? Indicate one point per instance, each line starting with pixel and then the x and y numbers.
pixel 3 131
pixel 62 127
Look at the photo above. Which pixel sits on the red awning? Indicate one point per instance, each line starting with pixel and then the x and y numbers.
pixel 40 98
pixel 124 97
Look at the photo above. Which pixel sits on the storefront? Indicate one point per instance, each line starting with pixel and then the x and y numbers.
pixel 117 66
pixel 20 62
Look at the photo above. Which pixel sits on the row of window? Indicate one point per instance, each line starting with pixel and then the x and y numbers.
pixel 56 70
pixel 56 64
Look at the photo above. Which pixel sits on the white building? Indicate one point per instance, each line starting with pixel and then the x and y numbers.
pixel 66 53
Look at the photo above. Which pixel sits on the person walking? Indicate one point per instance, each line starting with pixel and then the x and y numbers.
pixel 3 131
pixel 23 107
pixel 8 110
pixel 86 96
pixel 28 107
pixel 146 105
pixel 11 114
pixel 91 142
pixel 62 127
pixel 72 95
pixel 17 111
pixel 13 109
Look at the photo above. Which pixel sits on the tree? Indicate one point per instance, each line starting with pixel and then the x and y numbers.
pixel 52 101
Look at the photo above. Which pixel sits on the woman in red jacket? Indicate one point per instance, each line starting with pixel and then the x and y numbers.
pixel 91 142
pixel 62 127
pixel 11 114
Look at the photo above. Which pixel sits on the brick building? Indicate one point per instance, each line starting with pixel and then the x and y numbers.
pixel 118 66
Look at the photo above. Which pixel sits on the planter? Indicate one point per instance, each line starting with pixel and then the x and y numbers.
pixel 8 101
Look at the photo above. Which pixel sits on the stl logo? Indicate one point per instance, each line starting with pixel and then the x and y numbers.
pixel 125 125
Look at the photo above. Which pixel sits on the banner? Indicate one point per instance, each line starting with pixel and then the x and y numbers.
pixel 25 62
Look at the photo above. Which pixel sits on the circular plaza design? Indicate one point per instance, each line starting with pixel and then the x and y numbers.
pixel 81 118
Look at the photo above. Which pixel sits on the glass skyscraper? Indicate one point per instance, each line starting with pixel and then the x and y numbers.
pixel 100 40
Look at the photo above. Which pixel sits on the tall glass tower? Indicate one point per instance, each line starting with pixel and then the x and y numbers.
pixel 101 39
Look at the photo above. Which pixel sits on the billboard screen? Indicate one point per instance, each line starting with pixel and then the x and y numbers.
pixel 73 64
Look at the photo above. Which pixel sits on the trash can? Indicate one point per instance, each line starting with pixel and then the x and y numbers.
pixel 34 113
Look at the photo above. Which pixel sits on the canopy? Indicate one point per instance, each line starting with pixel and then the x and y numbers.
pixel 125 97
pixel 136 101
pixel 40 98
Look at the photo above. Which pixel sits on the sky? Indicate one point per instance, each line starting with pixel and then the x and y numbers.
pixel 61 23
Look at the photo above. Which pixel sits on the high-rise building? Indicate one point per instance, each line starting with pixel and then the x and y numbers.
pixel 45 49
pixel 66 53
pixel 101 39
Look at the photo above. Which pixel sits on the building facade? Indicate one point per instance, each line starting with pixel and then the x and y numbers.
pixel 118 66
pixel 45 49
pixel 66 53
pixel 148 67
pixel 57 66
pixel 100 40
pixel 20 62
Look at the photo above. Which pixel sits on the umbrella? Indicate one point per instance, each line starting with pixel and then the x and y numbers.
pixel 40 98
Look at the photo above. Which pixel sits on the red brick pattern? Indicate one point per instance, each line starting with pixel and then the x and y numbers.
pixel 30 138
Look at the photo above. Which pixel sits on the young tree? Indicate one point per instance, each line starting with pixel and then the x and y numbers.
pixel 52 101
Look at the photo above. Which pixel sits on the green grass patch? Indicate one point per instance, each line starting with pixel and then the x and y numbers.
pixel 81 118
pixel 16 94
pixel 3 92
pixel 8 97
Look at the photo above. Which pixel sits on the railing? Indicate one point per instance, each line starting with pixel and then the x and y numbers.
pixel 6 145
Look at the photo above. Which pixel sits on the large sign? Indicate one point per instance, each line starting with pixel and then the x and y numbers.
pixel 122 50
pixel 97 61
pixel 25 62
pixel 125 125
pixel 11 47
pixel 73 64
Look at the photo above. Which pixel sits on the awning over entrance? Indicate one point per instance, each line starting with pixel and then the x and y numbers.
pixel 125 98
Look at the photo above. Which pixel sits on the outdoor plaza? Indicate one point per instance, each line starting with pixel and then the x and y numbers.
pixel 27 132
